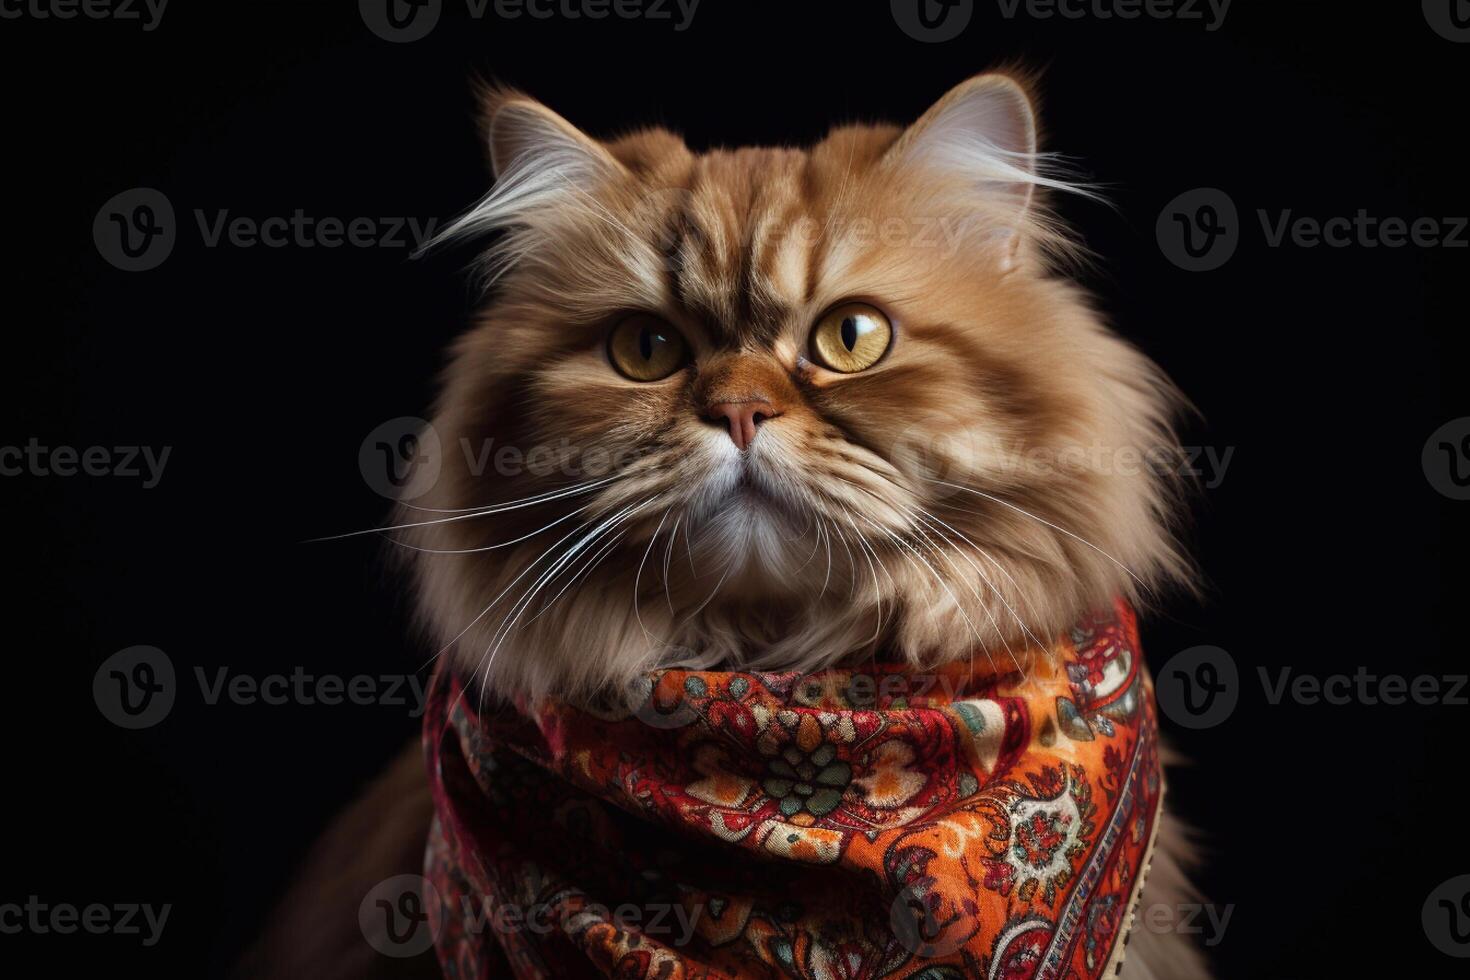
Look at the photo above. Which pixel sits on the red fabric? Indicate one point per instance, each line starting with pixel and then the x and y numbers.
pixel 862 822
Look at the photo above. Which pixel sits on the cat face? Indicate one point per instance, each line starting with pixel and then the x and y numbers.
pixel 779 407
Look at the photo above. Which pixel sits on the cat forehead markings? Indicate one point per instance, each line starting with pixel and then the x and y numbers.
pixel 755 230
pixel 746 236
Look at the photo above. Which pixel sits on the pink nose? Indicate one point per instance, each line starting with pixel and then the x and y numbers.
pixel 742 418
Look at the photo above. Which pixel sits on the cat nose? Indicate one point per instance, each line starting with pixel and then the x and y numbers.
pixel 742 418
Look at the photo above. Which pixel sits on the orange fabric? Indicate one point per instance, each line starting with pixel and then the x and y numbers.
pixel 864 822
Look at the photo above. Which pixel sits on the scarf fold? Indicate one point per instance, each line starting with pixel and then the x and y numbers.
pixel 971 821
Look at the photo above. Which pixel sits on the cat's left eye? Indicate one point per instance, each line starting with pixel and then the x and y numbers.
pixel 851 337
pixel 645 348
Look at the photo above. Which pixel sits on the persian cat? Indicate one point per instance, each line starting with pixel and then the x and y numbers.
pixel 784 408
pixel 779 408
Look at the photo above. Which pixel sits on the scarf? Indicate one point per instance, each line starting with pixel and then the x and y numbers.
pixel 974 821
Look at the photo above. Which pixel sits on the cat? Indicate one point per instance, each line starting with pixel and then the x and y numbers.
pixel 963 422
pixel 781 409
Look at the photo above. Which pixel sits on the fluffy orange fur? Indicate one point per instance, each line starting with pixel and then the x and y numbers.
pixel 1008 464
pixel 1002 469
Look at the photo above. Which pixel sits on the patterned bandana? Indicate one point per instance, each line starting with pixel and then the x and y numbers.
pixel 866 822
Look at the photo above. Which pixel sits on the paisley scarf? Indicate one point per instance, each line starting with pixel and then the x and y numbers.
pixel 976 821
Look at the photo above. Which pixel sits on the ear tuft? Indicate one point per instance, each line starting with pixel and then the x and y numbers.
pixel 982 135
pixel 523 133
pixel 985 129
pixel 541 162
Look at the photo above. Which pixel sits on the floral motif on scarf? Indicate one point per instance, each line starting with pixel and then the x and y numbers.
pixel 979 820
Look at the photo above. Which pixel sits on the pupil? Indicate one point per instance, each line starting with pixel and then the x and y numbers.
pixel 849 332
pixel 645 343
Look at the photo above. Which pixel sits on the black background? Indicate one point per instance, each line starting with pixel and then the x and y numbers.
pixel 1325 370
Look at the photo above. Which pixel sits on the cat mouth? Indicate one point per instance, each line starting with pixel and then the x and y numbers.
pixel 754 492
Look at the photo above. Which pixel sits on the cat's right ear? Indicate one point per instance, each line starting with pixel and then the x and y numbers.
pixel 523 136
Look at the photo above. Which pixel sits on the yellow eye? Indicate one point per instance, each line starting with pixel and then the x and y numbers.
pixel 851 337
pixel 646 348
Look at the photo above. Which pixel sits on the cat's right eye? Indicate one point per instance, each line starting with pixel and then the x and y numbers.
pixel 645 348
pixel 851 337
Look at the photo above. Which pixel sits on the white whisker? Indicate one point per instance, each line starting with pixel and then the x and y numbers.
pixel 1054 527
pixel 638 578
pixel 491 547
pixel 477 512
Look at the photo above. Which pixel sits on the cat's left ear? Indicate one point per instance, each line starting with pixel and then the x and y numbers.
pixel 524 135
pixel 982 130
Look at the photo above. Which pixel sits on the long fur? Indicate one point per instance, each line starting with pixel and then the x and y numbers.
pixel 1008 465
